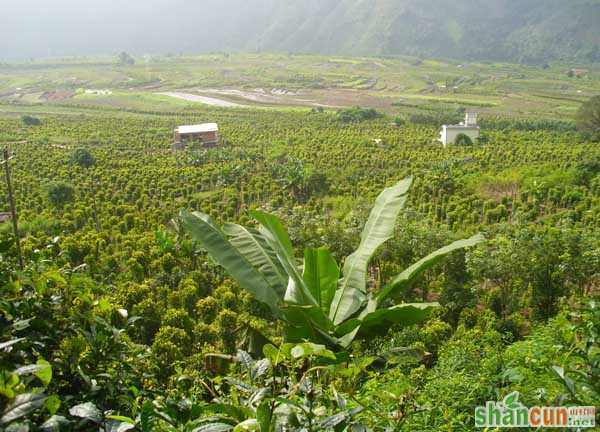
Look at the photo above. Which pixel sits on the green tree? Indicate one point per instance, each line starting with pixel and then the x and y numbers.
pixel 60 193
pixel 83 158
pixel 30 120
pixel 588 118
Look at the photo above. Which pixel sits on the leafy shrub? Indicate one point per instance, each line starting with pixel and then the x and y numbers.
pixel 588 118
pixel 357 114
pixel 206 309
pixel 28 120
pixel 60 193
pixel 83 158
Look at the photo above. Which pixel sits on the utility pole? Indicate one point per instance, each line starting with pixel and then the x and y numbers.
pixel 13 209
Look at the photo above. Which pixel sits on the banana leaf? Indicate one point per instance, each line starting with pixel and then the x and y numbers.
pixel 351 294
pixel 272 230
pixel 253 246
pixel 321 275
pixel 380 321
pixel 202 229
pixel 405 278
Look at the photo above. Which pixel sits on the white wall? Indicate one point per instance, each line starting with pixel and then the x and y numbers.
pixel 449 134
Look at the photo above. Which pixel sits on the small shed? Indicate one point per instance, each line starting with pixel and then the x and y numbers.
pixel 206 134
pixel 469 128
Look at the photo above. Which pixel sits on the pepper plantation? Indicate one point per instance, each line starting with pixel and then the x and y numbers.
pixel 314 272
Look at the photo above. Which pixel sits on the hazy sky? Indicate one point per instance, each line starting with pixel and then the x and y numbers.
pixel 53 28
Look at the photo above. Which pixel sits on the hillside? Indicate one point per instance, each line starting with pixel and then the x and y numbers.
pixel 530 31
pixel 515 30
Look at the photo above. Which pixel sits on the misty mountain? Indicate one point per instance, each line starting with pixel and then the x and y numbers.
pixel 512 30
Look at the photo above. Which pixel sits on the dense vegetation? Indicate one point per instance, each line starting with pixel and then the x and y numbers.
pixel 120 319
pixel 588 118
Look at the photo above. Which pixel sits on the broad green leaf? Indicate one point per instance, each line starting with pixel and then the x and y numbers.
pixel 87 411
pixel 333 421
pixel 308 349
pixel 147 416
pixel 252 245
pixel 274 225
pixel 272 230
pixel 21 325
pixel 306 323
pixel 42 370
pixel 273 353
pixel 407 314
pixel 52 404
pixel 121 418
pixel 351 294
pixel 8 381
pixel 21 406
pixel 45 373
pixel 244 359
pixel 568 382
pixel 202 229
pixel 405 278
pixel 236 413
pixel 321 275
pixel 349 329
pixel 264 416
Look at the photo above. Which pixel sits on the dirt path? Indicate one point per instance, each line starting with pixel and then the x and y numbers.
pixel 203 99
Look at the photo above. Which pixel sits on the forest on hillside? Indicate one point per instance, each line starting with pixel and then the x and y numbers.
pixel 524 31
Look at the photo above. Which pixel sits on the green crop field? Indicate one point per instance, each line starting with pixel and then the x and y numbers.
pixel 133 318
pixel 385 83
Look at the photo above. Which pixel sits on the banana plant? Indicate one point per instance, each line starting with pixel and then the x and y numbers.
pixel 317 301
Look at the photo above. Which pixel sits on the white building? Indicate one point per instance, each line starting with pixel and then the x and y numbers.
pixel 206 134
pixel 469 128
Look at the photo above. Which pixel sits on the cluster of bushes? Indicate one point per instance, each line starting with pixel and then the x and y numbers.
pixel 357 114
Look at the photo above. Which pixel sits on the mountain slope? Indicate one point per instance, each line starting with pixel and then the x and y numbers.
pixel 518 30
pixel 512 30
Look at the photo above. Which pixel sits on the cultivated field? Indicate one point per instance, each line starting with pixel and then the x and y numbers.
pixel 394 85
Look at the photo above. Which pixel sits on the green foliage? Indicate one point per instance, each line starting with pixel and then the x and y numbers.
pixel 56 344
pixel 28 120
pixel 588 117
pixel 83 158
pixel 60 193
pixel 312 304
pixel 357 114
pixel 135 318
pixel 578 373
